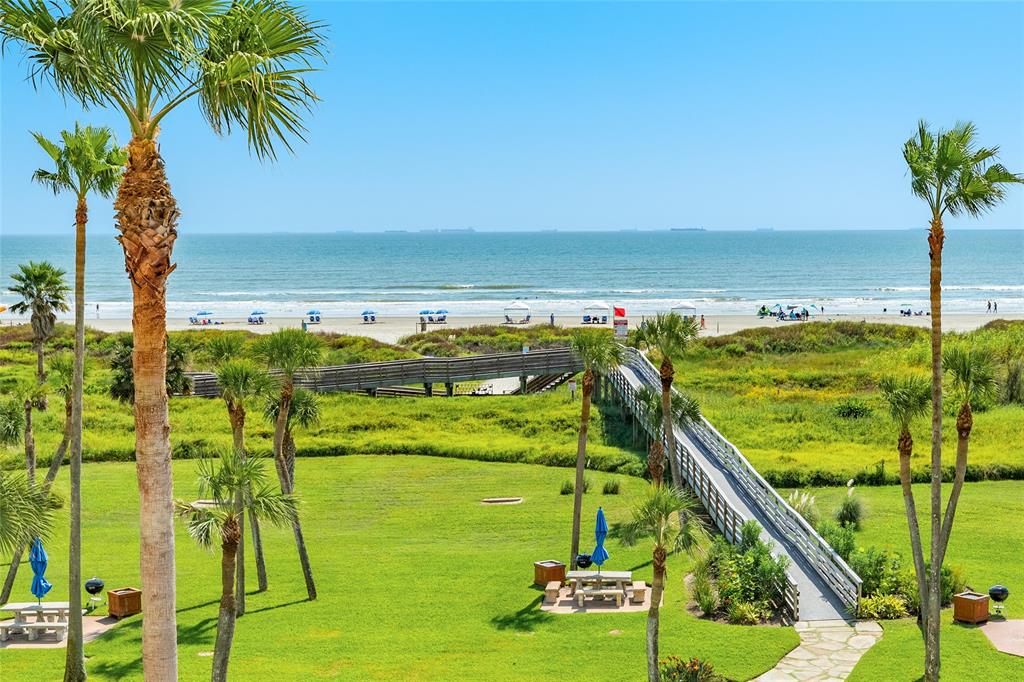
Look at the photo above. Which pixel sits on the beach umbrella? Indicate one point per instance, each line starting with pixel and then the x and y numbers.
pixel 442 311
pixel 258 312
pixel 600 554
pixel 369 312
pixel 37 560
pixel 204 313
pixel 426 312
pixel 312 312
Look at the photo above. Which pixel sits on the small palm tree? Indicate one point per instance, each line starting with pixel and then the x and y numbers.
pixel 60 377
pixel 242 382
pixel 224 347
pixel 908 398
pixel 27 511
pixel 668 515
pixel 43 293
pixel 244 65
pixel 598 352
pixel 305 413
pixel 954 176
pixel 291 351
pixel 217 518
pixel 87 160
pixel 684 409
pixel 670 334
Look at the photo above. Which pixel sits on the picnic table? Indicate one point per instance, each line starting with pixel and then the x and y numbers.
pixel 50 612
pixel 599 584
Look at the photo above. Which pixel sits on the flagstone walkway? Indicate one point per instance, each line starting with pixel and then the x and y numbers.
pixel 828 651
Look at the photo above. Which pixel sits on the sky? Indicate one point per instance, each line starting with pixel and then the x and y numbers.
pixel 526 116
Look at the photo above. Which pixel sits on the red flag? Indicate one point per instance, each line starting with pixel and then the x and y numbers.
pixel 619 312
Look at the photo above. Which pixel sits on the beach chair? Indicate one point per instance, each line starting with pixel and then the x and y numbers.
pixel 508 320
pixel 604 319
pixel 586 319
pixel 373 318
pixel 527 320
pixel 442 319
pixel 366 319
pixel 261 320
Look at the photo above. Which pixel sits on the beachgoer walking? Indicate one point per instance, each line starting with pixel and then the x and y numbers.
pixel 702 324
pixel 990 306
pixel 995 307
pixel 552 319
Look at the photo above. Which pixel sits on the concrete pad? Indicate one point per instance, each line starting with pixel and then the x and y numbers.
pixel 566 604
pixel 92 627
pixel 1006 635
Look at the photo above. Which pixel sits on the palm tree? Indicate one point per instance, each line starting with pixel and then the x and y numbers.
pixel 599 353
pixel 684 408
pixel 290 351
pixel 668 515
pixel 43 293
pixel 60 378
pixel 670 334
pixel 954 176
pixel 219 517
pixel 908 398
pixel 27 510
pixel 245 64
pixel 87 160
pixel 304 412
pixel 241 382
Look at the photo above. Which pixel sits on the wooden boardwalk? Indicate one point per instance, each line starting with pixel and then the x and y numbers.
pixel 821 585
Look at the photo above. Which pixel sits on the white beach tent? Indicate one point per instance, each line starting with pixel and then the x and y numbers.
pixel 685 309
pixel 517 311
pixel 599 307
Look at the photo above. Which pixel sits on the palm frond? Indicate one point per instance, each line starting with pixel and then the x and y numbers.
pixel 907 397
pixel 973 373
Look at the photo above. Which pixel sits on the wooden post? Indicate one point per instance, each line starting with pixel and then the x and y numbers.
pixel 522 385
pixel 449 389
pixel 429 388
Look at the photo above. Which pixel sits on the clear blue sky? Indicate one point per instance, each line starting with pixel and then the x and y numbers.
pixel 586 116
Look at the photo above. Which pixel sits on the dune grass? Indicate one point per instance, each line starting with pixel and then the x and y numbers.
pixel 417 581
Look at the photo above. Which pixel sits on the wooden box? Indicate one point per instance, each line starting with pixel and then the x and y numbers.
pixel 125 601
pixel 546 571
pixel 970 607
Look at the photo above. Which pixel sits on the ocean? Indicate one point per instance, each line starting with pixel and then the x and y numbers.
pixel 400 273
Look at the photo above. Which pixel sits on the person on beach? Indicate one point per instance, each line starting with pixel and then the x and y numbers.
pixel 702 325
pixel 552 319
pixel 995 307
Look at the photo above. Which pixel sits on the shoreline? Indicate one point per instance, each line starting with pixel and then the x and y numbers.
pixel 390 329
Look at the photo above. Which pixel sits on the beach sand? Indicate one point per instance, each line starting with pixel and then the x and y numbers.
pixel 390 329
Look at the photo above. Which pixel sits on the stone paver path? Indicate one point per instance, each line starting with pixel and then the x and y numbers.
pixel 828 651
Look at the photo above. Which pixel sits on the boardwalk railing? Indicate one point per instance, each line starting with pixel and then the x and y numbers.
pixel 719 508
pixel 371 375
pixel 843 581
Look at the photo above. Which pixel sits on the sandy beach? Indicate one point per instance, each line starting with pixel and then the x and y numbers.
pixel 390 329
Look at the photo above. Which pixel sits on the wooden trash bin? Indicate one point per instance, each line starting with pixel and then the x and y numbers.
pixel 125 601
pixel 546 571
pixel 970 607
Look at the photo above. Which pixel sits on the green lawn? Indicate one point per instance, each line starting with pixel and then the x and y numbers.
pixel 418 581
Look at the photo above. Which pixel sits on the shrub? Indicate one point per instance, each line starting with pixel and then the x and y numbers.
pixel 952 582
pixel 1012 390
pixel 750 535
pixel 883 607
pixel 803 503
pixel 704 594
pixel 674 669
pixel 734 350
pixel 747 613
pixel 611 487
pixel 881 570
pixel 852 408
pixel 840 538
pixel 851 509
pixel 568 488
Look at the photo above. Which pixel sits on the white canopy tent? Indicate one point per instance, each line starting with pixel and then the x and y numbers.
pixel 517 312
pixel 599 307
pixel 685 309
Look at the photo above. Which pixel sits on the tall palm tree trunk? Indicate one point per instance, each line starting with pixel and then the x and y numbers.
pixel 289 455
pixel 964 425
pixel 668 373
pixel 226 617
pixel 147 214
pixel 287 391
pixel 906 447
pixel 936 237
pixel 55 464
pixel 581 462
pixel 237 416
pixel 30 443
pixel 654 614
pixel 74 664
pixel 39 346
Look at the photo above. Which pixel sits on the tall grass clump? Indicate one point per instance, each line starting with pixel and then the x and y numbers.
pixel 611 487
pixel 851 509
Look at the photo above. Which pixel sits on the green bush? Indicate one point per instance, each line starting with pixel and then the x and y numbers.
pixel 734 350
pixel 674 669
pixel 568 488
pixel 747 574
pixel 611 487
pixel 840 538
pixel 750 535
pixel 852 408
pixel 704 593
pixel 880 569
pixel 883 607
pixel 747 613
pixel 851 510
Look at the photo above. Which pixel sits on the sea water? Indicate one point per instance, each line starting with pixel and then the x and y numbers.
pixel 477 273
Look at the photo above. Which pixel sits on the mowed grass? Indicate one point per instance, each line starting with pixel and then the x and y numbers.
pixel 417 581
pixel 986 543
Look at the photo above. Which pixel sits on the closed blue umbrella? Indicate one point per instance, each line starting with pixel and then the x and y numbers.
pixel 37 560
pixel 600 554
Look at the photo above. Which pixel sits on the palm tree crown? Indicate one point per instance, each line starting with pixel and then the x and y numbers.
pixel 596 349
pixel 88 161
pixel 27 510
pixel 241 381
pixel 684 407
pixel 43 293
pixel 668 333
pixel 973 373
pixel 952 174
pixel 668 515
pixel 245 61
pixel 908 397
pixel 290 350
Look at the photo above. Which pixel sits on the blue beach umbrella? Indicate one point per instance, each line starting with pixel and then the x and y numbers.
pixel 258 312
pixel 369 312
pixel 600 554
pixel 313 312
pixel 37 560
pixel 442 311
pixel 426 312
pixel 203 313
